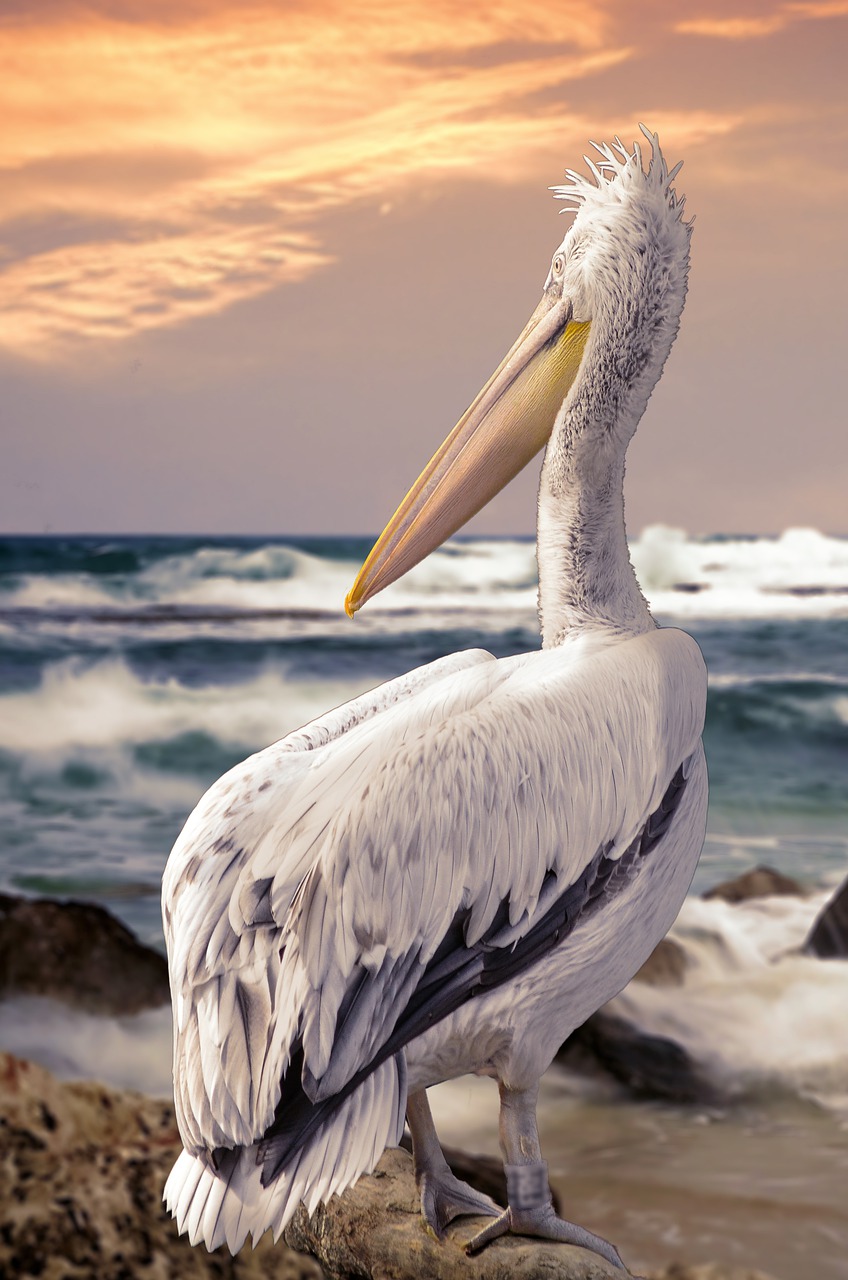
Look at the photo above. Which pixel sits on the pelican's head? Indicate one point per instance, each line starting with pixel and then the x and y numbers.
pixel 617 282
pixel 623 264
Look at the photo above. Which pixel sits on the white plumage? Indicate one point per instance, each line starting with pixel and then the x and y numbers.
pixel 452 872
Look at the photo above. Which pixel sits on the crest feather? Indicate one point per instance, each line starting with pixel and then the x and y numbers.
pixel 618 171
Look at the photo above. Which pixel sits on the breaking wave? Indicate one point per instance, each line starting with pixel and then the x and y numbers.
pixel 801 573
pixel 80 704
pixel 763 1019
pixel 756 1011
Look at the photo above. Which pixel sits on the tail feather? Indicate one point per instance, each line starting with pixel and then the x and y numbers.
pixel 205 1191
pixel 207 1227
pixel 227 1204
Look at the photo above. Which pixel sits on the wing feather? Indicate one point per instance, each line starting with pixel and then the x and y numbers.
pixel 228 889
pixel 480 794
pixel 600 788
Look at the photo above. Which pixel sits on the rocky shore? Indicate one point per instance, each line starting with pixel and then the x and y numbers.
pixel 82 1169
pixel 82 1166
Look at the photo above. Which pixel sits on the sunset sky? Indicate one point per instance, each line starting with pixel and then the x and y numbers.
pixel 255 259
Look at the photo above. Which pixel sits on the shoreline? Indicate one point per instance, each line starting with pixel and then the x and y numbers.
pixel 85 1166
pixel 697 1177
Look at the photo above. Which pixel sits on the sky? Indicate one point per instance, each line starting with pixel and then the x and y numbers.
pixel 256 259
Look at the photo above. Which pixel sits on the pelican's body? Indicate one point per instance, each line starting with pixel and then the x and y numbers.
pixel 449 874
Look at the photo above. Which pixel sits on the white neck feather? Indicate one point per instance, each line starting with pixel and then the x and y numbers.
pixel 586 579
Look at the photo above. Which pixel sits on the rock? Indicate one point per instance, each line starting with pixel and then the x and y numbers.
pixel 649 1066
pixel 374 1231
pixel 706 1271
pixel 761 882
pixel 81 1174
pixel 665 966
pixel 78 953
pixel 828 937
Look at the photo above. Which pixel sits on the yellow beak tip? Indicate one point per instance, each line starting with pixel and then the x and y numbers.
pixel 350 605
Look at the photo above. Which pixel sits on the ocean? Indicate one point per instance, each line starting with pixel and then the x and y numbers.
pixel 135 670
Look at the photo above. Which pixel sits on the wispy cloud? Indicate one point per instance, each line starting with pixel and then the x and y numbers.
pixel 212 137
pixel 115 289
pixel 742 27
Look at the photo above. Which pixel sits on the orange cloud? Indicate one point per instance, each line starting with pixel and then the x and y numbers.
pixel 733 28
pixel 116 289
pixel 745 28
pixel 209 142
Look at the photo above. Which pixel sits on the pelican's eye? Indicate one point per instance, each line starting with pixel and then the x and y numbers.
pixel 559 264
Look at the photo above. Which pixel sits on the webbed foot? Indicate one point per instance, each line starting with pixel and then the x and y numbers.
pixel 531 1213
pixel 444 1197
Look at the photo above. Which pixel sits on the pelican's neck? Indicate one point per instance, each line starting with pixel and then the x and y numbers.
pixel 586 580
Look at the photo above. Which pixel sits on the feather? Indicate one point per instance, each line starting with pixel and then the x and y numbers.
pixel 369 888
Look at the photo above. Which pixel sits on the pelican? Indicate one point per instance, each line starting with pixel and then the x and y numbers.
pixel 451 873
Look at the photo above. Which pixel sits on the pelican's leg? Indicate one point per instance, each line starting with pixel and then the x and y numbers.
pixel 531 1211
pixel 443 1196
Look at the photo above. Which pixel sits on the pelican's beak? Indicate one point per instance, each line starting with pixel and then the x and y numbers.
pixel 506 426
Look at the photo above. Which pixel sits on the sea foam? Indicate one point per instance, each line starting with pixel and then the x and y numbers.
pixel 754 1010
pixel 802 573
pixel 80 705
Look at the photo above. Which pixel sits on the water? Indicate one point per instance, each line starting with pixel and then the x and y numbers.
pixel 133 671
pixel 760 1190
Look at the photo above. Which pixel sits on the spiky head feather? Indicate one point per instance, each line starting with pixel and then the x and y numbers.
pixel 619 175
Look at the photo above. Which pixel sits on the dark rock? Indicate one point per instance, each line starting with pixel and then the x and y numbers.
pixel 649 1066
pixel 81 1194
pixel 761 882
pixel 828 937
pixel 78 953
pixel 665 966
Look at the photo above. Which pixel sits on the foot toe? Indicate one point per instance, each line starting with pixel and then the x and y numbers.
pixel 444 1197
pixel 544 1224
pixel 499 1227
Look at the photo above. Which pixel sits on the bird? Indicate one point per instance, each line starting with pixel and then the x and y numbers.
pixel 450 873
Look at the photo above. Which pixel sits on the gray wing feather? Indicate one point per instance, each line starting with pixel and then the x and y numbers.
pixel 227 891
pixel 537 775
pixel 354 863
